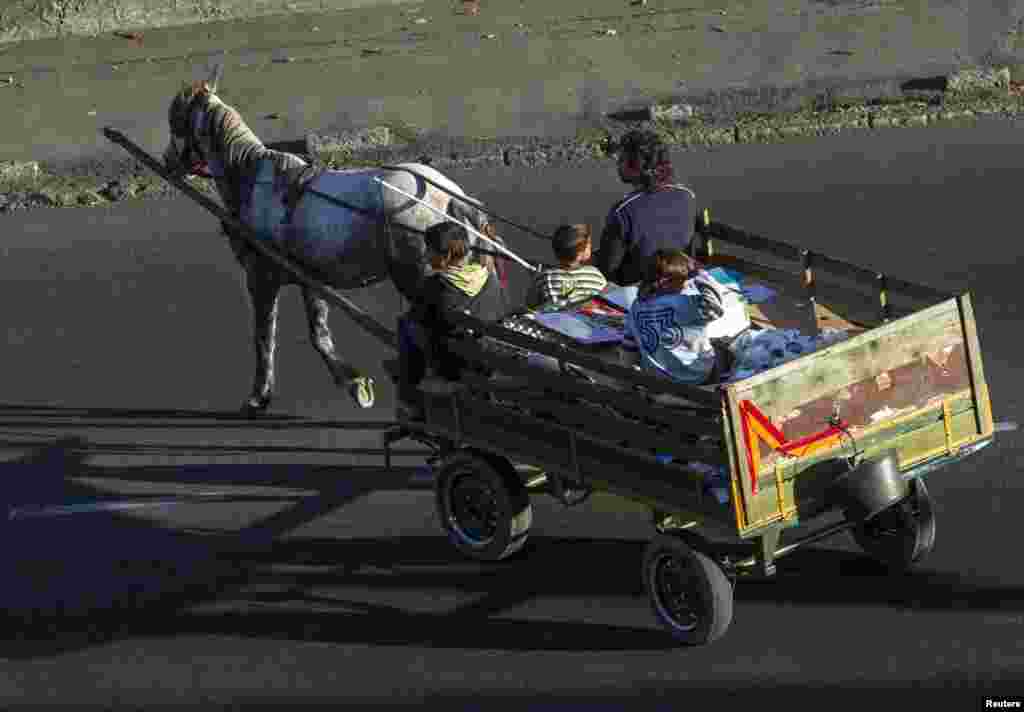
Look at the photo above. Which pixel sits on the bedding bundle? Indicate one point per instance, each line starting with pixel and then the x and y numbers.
pixel 760 350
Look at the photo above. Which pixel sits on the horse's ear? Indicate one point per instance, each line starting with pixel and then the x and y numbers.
pixel 215 74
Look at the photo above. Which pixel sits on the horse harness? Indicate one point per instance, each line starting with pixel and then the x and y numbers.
pixel 296 178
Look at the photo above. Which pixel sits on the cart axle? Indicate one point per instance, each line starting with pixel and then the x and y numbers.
pixel 767 563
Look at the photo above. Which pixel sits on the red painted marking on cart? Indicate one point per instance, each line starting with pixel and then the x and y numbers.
pixel 763 421
pixel 831 433
pixel 753 420
pixel 750 445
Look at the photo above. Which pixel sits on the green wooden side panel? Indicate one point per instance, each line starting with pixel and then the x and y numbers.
pixel 803 493
pixel 986 426
pixel 629 473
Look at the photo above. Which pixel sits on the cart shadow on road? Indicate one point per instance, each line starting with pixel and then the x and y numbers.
pixel 81 581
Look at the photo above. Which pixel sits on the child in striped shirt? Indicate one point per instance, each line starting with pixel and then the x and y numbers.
pixel 572 279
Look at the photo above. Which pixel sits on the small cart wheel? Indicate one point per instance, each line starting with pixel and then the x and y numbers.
pixel 689 593
pixel 483 506
pixel 902 535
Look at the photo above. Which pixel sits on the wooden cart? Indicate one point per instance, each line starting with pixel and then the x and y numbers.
pixel 848 430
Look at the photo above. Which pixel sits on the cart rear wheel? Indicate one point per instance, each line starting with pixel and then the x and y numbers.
pixel 902 535
pixel 689 593
pixel 483 506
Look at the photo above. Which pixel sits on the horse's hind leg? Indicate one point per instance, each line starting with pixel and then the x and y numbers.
pixel 343 373
pixel 264 289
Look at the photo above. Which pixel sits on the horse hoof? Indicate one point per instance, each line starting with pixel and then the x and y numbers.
pixel 257 405
pixel 361 390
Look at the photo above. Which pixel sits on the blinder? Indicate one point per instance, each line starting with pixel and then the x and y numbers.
pixel 181 127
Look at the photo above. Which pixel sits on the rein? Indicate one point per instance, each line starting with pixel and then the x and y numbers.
pixel 530 231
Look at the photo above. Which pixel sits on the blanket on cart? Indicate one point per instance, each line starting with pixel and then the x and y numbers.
pixel 765 348
pixel 600 321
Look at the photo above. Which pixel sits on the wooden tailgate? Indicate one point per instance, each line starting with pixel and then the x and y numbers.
pixel 915 384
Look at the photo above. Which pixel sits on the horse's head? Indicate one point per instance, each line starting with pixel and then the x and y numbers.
pixel 190 147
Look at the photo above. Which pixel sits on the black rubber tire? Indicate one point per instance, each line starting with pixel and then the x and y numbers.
pixel 707 590
pixel 903 535
pixel 472 487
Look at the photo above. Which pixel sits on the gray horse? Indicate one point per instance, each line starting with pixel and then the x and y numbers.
pixel 345 228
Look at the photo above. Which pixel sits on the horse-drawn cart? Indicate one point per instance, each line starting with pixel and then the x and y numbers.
pixel 845 432
pixel 835 436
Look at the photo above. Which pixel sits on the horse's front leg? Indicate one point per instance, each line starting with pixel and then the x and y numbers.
pixel 360 387
pixel 263 289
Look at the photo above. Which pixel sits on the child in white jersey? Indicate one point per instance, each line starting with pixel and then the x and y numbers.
pixel 677 313
pixel 573 279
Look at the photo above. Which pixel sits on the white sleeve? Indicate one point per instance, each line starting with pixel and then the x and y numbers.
pixel 710 297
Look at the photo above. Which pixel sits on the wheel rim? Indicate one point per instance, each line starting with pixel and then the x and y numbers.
pixel 473 510
pixel 891 525
pixel 674 593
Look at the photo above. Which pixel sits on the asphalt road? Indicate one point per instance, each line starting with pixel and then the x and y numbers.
pixel 127 349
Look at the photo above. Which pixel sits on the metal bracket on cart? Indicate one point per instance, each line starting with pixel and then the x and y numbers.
pixel 570 493
pixel 765 547
pixel 439 447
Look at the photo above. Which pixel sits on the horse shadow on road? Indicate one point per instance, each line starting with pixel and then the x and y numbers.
pixel 78 581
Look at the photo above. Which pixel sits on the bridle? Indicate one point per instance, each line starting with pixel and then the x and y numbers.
pixel 192 159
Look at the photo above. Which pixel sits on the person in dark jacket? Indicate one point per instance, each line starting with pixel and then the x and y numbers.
pixel 456 285
pixel 657 214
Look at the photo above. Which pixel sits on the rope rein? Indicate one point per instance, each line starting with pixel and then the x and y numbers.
pixel 529 230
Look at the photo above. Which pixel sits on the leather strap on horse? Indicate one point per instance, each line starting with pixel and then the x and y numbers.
pixel 300 186
pixel 297 180
pixel 528 230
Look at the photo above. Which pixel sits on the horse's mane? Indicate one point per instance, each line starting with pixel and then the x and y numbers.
pixel 239 144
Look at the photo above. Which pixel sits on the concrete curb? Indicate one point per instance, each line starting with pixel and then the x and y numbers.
pixel 962 97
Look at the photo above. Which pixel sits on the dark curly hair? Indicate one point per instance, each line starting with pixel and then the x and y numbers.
pixel 650 153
